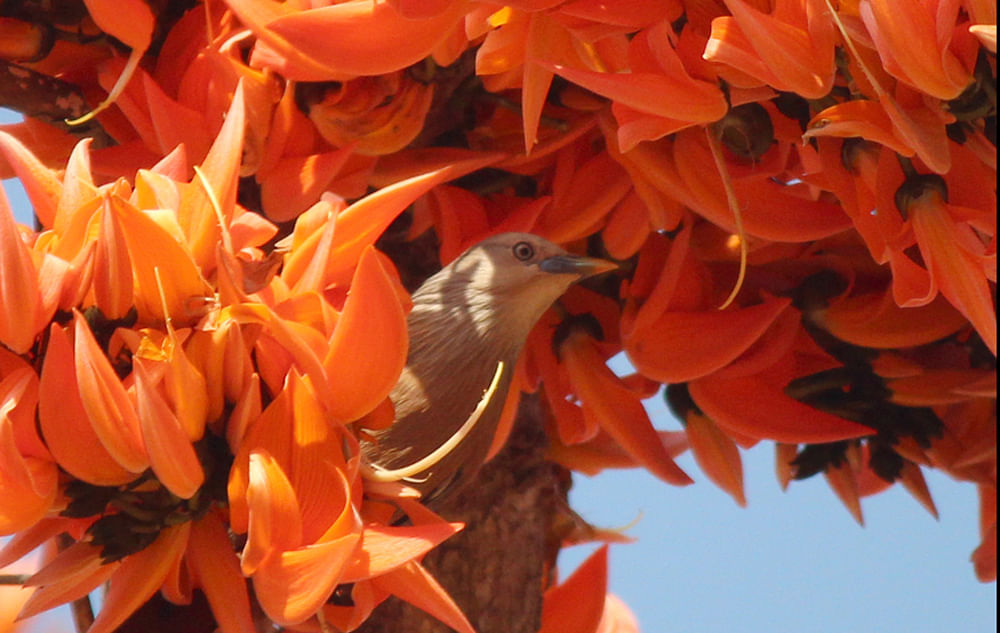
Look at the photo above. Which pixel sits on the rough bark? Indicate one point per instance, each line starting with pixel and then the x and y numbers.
pixel 495 567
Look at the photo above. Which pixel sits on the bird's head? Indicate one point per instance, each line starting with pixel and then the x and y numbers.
pixel 520 273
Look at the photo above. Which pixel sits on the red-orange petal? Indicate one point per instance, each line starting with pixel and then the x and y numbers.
pixel 754 407
pixel 683 346
pixel 717 455
pixel 617 410
pixel 576 605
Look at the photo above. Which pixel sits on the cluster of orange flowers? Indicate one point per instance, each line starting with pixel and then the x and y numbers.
pixel 824 172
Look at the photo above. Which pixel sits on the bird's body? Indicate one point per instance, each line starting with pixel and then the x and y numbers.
pixel 469 321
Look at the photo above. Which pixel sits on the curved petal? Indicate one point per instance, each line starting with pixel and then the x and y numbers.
pixel 211 560
pixel 293 585
pixel 368 347
pixel 63 419
pixel 683 346
pixel 576 604
pixel 139 576
pixel 108 406
pixel 754 407
pixel 617 409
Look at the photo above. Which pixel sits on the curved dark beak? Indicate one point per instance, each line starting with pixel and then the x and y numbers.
pixel 576 265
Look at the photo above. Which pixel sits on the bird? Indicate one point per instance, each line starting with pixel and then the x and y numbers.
pixel 467 327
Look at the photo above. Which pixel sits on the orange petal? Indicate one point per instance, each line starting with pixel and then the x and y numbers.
pixel 221 168
pixel 384 549
pixel 139 576
pixel 673 97
pixel 754 407
pixel 293 585
pixel 20 301
pixel 860 117
pixel 717 455
pixel 576 605
pixel 171 454
pixel 275 521
pixel 108 406
pixel 368 347
pixel 212 562
pixel 957 272
pixel 351 38
pixel 617 410
pixel 699 342
pixel 64 423
pixel 159 261
pixel 911 46
pixel 130 21
pixel 415 585
pixel 842 480
pixel 112 268
pixel 874 320
pixel 72 574
pixel 44 189
pixel 296 182
pixel 27 484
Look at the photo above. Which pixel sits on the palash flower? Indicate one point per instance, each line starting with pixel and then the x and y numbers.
pixel 137 391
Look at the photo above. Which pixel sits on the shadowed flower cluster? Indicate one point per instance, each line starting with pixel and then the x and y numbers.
pixel 197 331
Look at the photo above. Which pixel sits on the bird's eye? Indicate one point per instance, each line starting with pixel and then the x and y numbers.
pixel 524 251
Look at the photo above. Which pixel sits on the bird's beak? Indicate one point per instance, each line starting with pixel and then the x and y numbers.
pixel 576 265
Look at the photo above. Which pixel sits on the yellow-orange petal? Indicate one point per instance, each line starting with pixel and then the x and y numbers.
pixel 415 585
pixel 292 585
pixel 171 454
pixel 275 520
pixel 139 576
pixel 112 268
pixel 27 484
pixel 221 168
pixel 63 419
pixel 576 605
pixel 368 347
pixel 108 406
pixel 682 346
pixel 20 300
pixel 213 564
pixel 166 276
pixel 44 189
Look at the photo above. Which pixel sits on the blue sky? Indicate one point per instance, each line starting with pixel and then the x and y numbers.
pixel 791 562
